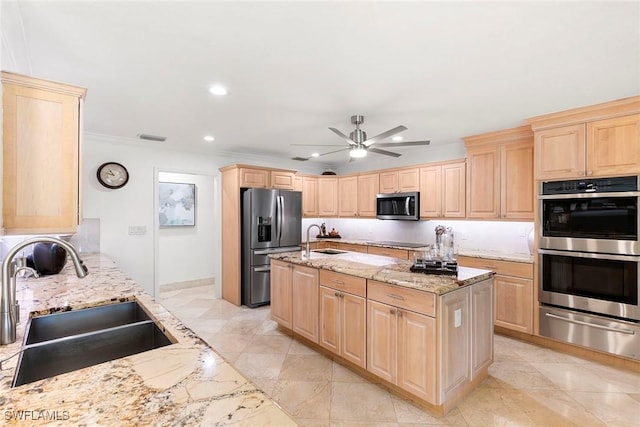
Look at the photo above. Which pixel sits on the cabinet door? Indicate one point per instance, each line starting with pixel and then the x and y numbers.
pixel 483 182
pixel 514 303
pixel 481 327
pixel 281 293
pixel 368 187
pixel 389 182
pixel 348 196
pixel 327 196
pixel 417 354
pixel 381 340
pixel 453 190
pixel 254 178
pixel 613 146
pixel 282 180
pixel 560 153
pixel 392 252
pixel 431 192
pixel 310 196
pixel 297 183
pixel 455 336
pixel 305 302
pixel 516 170
pixel 330 319
pixel 409 180
pixel 41 159
pixel 353 333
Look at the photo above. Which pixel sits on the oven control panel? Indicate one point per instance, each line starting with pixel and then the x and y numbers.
pixel 599 185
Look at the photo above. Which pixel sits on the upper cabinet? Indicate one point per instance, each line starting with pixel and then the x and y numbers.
pixel 309 196
pixel 327 196
pixel 442 190
pixel 500 174
pixel 41 161
pixel 600 140
pixel 348 196
pixel 368 188
pixel 400 181
pixel 283 180
pixel 254 178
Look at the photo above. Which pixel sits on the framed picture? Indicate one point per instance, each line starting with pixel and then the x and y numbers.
pixel 177 204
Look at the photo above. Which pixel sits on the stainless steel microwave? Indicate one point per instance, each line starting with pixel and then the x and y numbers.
pixel 403 206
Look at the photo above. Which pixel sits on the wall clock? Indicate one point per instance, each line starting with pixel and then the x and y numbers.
pixel 112 175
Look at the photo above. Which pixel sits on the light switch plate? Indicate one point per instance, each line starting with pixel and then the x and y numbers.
pixel 137 230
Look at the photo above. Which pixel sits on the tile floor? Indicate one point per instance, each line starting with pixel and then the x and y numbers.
pixel 527 386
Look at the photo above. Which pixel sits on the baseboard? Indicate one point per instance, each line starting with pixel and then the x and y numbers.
pixel 176 286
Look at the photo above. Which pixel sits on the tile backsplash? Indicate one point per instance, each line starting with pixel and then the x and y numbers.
pixel 494 236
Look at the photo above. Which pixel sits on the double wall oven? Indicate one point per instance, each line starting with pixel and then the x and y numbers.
pixel 589 263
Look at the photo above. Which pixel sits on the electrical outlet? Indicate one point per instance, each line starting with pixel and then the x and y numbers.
pixel 137 230
pixel 522 231
pixel 457 315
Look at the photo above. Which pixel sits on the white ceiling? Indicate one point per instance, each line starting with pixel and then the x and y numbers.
pixel 443 69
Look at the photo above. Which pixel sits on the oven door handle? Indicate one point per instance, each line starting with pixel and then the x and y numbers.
pixel 590 195
pixel 572 254
pixel 593 325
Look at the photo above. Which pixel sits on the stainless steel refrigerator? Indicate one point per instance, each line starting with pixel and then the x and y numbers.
pixel 271 223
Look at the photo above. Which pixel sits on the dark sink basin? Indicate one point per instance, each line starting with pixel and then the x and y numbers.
pixel 50 358
pixel 64 324
pixel 329 251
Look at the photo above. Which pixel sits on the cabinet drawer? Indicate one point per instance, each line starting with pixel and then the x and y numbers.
pixel 395 253
pixel 506 268
pixel 343 282
pixel 411 299
pixel 353 248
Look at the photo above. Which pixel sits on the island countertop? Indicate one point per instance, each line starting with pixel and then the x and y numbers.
pixel 385 269
pixel 186 383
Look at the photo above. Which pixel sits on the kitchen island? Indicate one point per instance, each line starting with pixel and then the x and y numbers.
pixel 427 337
pixel 185 383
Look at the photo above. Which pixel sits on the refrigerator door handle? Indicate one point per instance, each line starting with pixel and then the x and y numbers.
pixel 282 217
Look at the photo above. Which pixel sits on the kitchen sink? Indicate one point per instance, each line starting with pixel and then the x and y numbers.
pixel 58 325
pixel 329 251
pixel 64 342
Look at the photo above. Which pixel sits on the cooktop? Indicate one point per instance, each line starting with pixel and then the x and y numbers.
pixel 401 244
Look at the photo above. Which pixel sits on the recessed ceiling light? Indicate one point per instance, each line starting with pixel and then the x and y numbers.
pixel 209 138
pixel 315 154
pixel 218 90
pixel 397 138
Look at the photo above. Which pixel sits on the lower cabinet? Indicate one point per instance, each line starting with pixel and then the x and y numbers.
pixel 282 293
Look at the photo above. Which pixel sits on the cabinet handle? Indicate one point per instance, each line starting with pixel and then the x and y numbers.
pixel 336 294
pixel 338 282
pixel 392 311
pixel 399 313
pixel 394 296
pixel 589 173
pixel 581 173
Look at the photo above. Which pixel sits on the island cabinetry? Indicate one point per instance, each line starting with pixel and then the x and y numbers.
pixel 500 174
pixel 392 252
pixel 368 187
pixel 305 302
pixel 400 181
pixel 41 155
pixel 343 316
pixel 401 343
pixel 348 196
pixel 282 293
pixel 442 190
pixel 513 291
pixel 309 196
pixel 600 140
pixel 327 196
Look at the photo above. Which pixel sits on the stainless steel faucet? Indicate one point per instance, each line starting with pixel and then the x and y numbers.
pixel 308 230
pixel 8 316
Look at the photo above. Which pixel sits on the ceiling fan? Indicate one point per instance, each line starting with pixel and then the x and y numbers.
pixel 359 145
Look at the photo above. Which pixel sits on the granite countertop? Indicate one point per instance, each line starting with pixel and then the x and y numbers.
pixel 386 269
pixel 186 383
pixel 477 253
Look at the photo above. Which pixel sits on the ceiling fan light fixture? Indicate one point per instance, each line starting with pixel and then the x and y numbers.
pixel 218 90
pixel 396 138
pixel 315 154
pixel 358 152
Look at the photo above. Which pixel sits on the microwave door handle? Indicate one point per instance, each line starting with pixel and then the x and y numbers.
pixel 406 205
pixel 394 207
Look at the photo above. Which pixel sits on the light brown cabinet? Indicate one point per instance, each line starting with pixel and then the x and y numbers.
pixel 598 148
pixel 500 174
pixel 327 196
pixel 305 302
pixel 343 316
pixel 282 293
pixel 309 196
pixel 41 144
pixel 513 291
pixel 348 196
pixel 254 178
pixel 442 190
pixel 392 252
pixel 368 187
pixel 282 180
pixel 400 181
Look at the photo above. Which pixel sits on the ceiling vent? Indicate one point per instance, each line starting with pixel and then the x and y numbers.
pixel 152 137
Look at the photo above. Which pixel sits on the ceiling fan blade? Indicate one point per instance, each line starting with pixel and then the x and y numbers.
pixel 303 159
pixel 386 153
pixel 384 135
pixel 342 135
pixel 402 144
pixel 318 145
